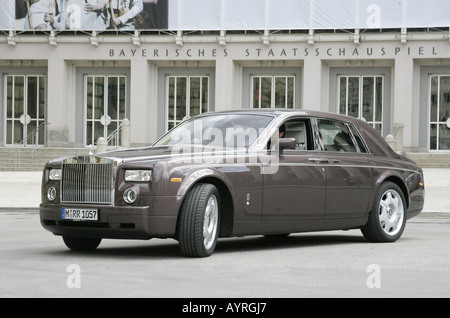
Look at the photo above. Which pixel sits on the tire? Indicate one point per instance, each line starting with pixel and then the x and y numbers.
pixel 198 222
pixel 388 216
pixel 81 244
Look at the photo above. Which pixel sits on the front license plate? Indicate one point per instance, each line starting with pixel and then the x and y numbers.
pixel 79 214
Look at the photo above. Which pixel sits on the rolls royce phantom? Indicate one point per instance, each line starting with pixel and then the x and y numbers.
pixel 236 173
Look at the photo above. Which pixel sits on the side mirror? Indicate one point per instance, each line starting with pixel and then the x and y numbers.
pixel 286 143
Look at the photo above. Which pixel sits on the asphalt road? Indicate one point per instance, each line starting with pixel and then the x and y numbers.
pixel 35 263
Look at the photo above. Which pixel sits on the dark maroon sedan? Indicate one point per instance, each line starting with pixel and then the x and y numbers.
pixel 237 173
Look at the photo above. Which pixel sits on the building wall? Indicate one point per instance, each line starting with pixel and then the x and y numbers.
pixel 406 68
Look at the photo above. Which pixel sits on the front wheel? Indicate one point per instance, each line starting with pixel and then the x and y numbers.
pixel 81 244
pixel 198 222
pixel 387 219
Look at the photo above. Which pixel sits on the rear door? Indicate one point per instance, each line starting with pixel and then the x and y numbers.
pixel 349 178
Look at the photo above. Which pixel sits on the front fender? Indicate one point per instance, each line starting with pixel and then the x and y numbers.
pixel 174 180
pixel 197 175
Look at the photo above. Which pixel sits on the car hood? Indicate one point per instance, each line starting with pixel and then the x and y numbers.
pixel 164 153
pixel 139 154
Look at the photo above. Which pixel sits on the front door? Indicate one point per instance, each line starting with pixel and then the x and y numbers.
pixel 297 190
pixel 25 110
pixel 297 187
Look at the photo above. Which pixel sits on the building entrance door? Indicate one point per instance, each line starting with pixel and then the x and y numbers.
pixel 440 112
pixel 362 97
pixel 105 107
pixel 187 96
pixel 25 110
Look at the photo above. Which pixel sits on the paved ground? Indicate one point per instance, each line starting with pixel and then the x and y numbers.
pixel 21 190
pixel 35 263
pixel 437 190
pixel 323 264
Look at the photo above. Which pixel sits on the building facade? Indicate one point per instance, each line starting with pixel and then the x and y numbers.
pixel 67 90
pixel 74 71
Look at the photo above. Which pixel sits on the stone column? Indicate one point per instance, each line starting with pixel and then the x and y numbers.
pixel 58 130
pixel 403 103
pixel 142 112
pixel 225 95
pixel 313 98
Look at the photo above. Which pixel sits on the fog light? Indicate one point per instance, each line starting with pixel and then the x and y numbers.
pixel 130 195
pixel 51 194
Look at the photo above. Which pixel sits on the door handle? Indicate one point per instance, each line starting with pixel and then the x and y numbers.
pixel 324 160
pixel 319 160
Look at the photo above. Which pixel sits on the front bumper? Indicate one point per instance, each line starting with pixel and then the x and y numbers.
pixel 116 222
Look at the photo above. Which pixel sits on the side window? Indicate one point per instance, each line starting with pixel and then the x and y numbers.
pixel 359 141
pixel 335 136
pixel 300 130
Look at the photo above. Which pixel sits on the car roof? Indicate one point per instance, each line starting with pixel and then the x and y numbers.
pixel 375 142
pixel 283 112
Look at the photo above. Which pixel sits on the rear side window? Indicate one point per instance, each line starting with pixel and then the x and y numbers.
pixel 361 145
pixel 336 136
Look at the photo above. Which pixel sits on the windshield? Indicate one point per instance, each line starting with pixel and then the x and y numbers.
pixel 218 130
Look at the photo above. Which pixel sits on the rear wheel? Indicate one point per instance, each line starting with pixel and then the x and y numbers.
pixel 81 243
pixel 198 222
pixel 387 219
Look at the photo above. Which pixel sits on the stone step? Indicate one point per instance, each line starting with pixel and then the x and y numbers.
pixel 33 159
pixel 430 160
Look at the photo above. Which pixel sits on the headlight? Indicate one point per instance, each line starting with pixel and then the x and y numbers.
pixel 55 174
pixel 138 175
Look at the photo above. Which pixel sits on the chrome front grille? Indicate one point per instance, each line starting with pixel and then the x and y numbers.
pixel 87 183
